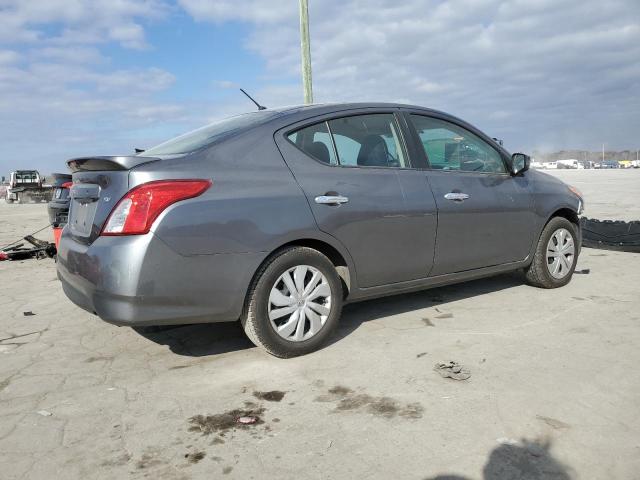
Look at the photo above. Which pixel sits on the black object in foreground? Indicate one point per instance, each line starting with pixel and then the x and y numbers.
pixel 611 235
pixel 40 249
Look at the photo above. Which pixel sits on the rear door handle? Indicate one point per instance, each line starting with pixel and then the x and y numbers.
pixel 331 199
pixel 456 196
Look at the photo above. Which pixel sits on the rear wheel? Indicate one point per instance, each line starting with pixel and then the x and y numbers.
pixel 294 303
pixel 556 255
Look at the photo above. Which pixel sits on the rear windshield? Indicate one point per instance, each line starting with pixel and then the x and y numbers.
pixel 204 136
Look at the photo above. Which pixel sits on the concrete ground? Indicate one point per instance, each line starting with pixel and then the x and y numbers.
pixel 554 388
pixel 612 194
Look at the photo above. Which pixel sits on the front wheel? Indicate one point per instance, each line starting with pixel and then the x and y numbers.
pixel 294 303
pixel 556 255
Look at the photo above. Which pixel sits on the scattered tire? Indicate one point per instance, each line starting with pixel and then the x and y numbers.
pixel 294 303
pixel 611 235
pixel 555 256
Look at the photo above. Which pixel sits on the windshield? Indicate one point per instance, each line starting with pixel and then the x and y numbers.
pixel 204 136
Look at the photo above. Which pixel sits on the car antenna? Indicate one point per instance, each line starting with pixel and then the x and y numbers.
pixel 260 107
pixel 139 150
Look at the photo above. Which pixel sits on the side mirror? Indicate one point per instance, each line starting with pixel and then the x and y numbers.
pixel 520 163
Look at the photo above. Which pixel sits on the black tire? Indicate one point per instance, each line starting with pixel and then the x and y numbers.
pixel 255 319
pixel 537 274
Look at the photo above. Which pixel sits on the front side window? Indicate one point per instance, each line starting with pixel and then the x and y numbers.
pixel 360 140
pixel 451 147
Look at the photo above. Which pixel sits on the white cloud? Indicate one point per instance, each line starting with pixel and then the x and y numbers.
pixel 60 96
pixel 8 56
pixel 560 72
pixel 554 73
pixel 83 20
pixel 226 84
pixel 75 54
pixel 249 10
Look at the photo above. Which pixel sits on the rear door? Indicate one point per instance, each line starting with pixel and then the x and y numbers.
pixel 485 215
pixel 348 168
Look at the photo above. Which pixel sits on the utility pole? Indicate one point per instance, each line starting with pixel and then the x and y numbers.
pixel 305 48
pixel 603 152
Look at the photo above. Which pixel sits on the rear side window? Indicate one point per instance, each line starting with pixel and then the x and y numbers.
pixel 359 141
pixel 451 147
pixel 315 141
pixel 368 140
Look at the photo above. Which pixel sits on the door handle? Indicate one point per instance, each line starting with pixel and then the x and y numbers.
pixel 456 196
pixel 331 199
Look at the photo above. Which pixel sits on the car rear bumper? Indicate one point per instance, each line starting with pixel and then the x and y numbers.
pixel 139 280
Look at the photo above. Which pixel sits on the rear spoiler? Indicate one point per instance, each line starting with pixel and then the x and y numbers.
pixel 89 164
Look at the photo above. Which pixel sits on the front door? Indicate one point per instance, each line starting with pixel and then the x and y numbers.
pixel 485 215
pixel 348 169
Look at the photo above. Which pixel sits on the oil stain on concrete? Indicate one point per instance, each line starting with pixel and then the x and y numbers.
pixel 194 457
pixel 223 422
pixel 347 400
pixel 272 396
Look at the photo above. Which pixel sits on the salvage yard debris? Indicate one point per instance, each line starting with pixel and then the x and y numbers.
pixel 40 249
pixel 611 235
pixel 452 370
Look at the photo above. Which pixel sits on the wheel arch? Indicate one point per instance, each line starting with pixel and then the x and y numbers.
pixel 571 215
pixel 331 252
pixel 565 212
pixel 340 260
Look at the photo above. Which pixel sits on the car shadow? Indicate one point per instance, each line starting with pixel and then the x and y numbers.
pixel 519 460
pixel 199 340
pixel 218 338
pixel 355 314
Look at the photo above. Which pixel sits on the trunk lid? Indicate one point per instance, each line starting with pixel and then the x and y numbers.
pixel 98 184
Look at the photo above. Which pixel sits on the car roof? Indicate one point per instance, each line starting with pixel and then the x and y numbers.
pixel 291 114
pixel 320 108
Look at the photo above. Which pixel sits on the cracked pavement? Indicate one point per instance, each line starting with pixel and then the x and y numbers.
pixel 557 368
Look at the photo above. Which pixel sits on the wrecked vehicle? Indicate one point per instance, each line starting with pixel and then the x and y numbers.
pixel 279 217
pixel 58 207
pixel 27 185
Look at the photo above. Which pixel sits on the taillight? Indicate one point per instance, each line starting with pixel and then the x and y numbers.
pixel 67 185
pixel 136 211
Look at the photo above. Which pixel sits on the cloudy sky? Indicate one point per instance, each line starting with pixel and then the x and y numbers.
pixel 82 77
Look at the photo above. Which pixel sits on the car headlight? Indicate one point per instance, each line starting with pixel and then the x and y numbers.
pixel 578 194
pixel 574 190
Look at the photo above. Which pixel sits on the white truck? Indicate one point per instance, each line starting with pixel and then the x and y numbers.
pixel 570 163
pixel 27 185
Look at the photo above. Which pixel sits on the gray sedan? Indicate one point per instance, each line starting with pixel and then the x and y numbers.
pixel 277 218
